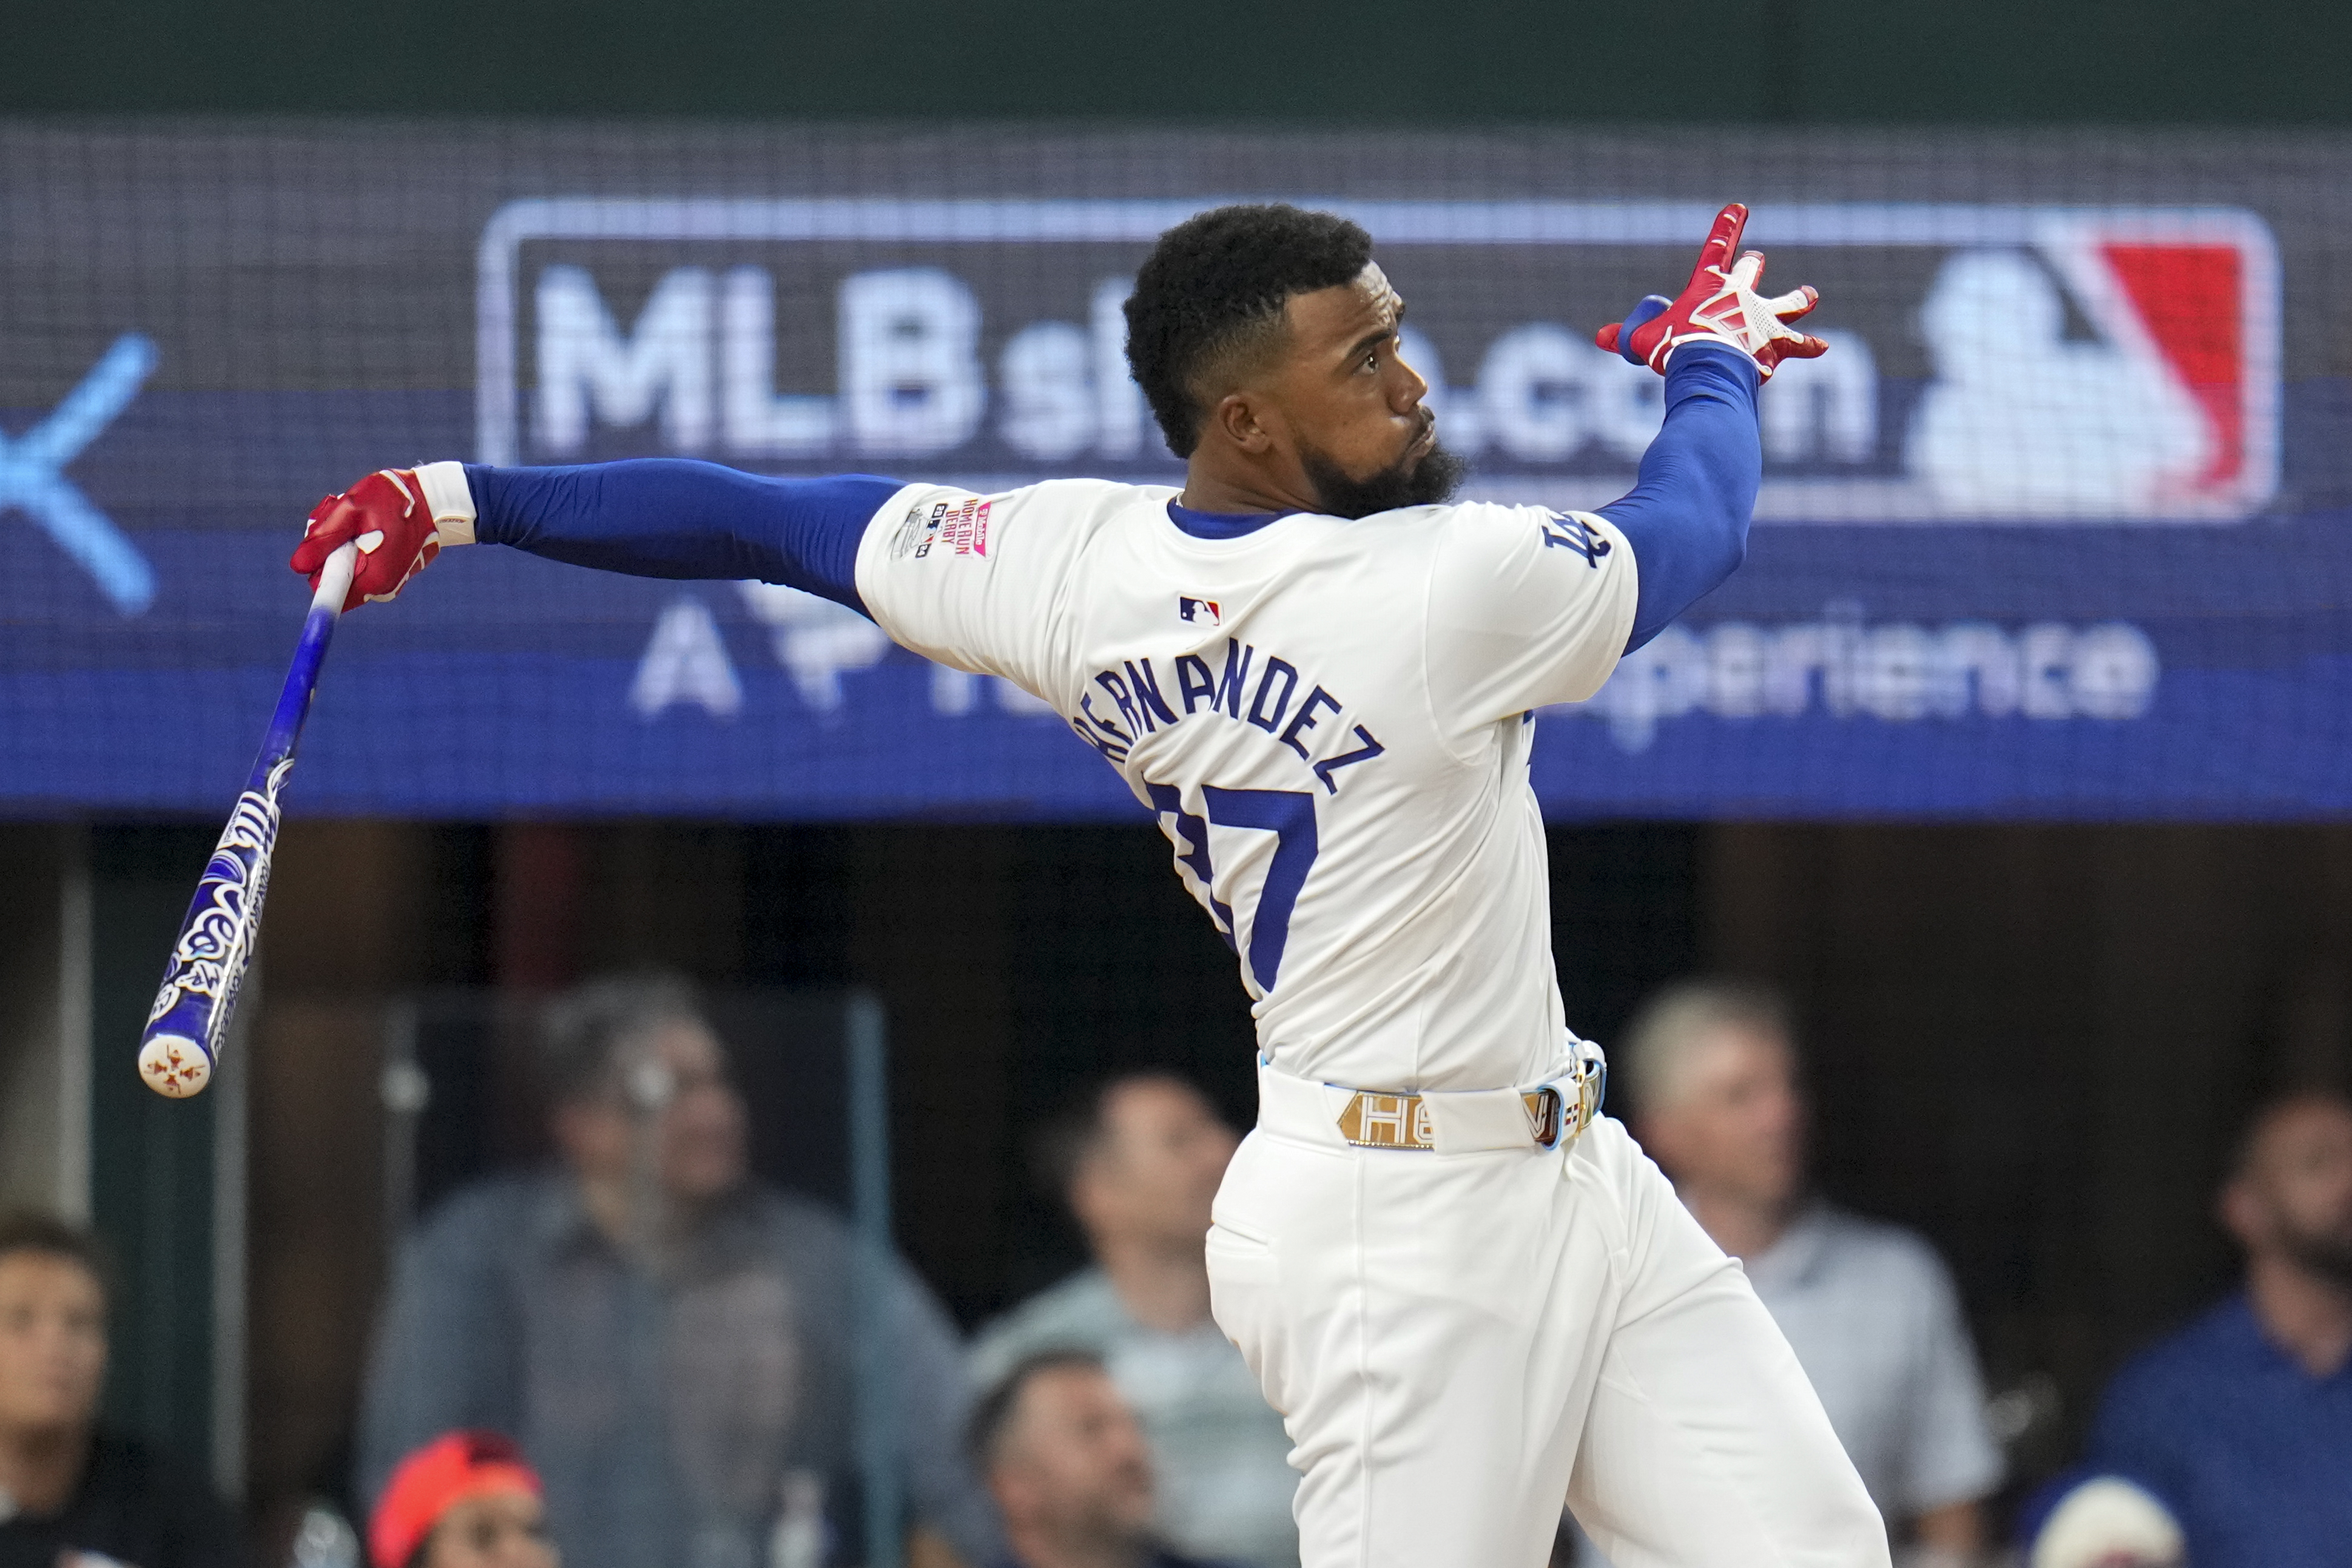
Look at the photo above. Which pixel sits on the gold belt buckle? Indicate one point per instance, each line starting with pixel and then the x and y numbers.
pixel 1373 1121
pixel 1370 1121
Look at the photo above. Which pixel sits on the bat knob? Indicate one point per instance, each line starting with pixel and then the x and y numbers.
pixel 174 1066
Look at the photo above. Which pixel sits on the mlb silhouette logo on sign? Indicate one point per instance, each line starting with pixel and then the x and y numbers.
pixel 2168 409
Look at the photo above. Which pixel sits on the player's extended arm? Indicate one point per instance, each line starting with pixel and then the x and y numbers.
pixel 1715 342
pixel 646 516
pixel 1686 515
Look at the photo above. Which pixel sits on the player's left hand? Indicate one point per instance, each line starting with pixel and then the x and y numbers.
pixel 1720 305
pixel 387 513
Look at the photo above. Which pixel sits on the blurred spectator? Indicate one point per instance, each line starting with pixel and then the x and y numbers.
pixel 1712 1070
pixel 1138 1162
pixel 1070 1467
pixel 467 1499
pixel 669 1339
pixel 2242 1422
pixel 72 1493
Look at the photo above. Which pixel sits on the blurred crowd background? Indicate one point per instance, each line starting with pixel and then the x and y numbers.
pixel 657 1190
pixel 1990 1112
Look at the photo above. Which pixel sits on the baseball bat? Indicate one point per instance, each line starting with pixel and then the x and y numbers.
pixel 181 1044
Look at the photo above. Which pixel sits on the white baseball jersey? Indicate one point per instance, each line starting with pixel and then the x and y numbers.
pixel 1331 719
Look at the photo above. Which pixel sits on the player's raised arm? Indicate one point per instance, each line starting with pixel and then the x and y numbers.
pixel 1686 517
pixel 648 517
pixel 1530 608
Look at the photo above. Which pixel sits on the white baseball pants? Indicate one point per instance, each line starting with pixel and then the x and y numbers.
pixel 1458 1340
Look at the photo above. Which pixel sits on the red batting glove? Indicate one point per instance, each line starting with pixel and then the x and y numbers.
pixel 1720 305
pixel 387 514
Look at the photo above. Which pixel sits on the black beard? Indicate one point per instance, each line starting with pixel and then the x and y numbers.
pixel 2328 1256
pixel 1406 483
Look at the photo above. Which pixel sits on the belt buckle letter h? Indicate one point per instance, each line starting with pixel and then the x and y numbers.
pixel 1386 1121
pixel 1383 1119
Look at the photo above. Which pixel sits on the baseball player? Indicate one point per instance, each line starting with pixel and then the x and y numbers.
pixel 1467 1293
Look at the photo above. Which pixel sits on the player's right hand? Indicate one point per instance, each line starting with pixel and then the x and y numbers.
pixel 1720 305
pixel 388 515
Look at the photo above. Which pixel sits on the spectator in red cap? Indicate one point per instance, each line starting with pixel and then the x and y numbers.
pixel 675 1342
pixel 465 1500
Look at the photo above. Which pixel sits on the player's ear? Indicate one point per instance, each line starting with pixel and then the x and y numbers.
pixel 1236 416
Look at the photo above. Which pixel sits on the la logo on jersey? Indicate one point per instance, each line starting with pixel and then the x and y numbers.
pixel 1567 530
pixel 1200 612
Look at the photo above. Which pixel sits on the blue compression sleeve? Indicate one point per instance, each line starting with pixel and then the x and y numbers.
pixel 1686 517
pixel 667 517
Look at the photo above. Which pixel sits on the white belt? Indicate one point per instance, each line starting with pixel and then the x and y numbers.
pixel 1549 1115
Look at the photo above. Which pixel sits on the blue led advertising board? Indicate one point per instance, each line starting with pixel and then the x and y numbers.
pixel 2058 528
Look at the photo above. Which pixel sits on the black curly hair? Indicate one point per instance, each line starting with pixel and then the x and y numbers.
pixel 1208 301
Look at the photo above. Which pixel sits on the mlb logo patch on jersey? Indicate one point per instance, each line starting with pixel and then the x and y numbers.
pixel 1200 612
